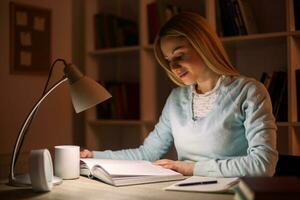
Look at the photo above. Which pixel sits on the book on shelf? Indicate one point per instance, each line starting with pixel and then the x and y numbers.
pixel 126 172
pixel 282 115
pixel 266 79
pixel 248 16
pixel 297 75
pixel 297 14
pixel 114 31
pixel 219 25
pixel 277 92
pixel 125 101
pixel 153 21
pixel 256 188
pixel 227 14
pixel 158 12
pixel 276 84
pixel 239 20
pixel 236 17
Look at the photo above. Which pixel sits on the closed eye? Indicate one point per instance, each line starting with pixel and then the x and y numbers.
pixel 179 57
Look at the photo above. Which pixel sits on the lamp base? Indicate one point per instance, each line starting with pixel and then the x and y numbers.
pixel 24 180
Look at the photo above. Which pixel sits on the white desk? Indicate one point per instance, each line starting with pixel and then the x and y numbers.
pixel 84 188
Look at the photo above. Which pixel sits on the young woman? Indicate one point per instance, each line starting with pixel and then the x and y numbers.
pixel 220 122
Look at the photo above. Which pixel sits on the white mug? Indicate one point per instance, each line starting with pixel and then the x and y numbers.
pixel 67 161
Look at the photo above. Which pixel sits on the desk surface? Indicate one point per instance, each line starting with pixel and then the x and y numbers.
pixel 84 188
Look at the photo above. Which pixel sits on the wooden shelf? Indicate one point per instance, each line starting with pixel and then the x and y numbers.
pixel 259 36
pixel 296 124
pixel 282 124
pixel 149 47
pixel 115 50
pixel 295 33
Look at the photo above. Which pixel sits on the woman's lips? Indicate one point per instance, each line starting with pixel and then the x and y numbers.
pixel 182 74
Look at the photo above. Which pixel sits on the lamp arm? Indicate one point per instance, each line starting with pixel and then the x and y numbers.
pixel 20 138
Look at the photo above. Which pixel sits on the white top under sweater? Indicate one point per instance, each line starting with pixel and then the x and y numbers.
pixel 203 103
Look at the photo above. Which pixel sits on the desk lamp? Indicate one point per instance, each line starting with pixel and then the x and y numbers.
pixel 85 93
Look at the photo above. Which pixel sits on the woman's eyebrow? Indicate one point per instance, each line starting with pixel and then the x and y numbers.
pixel 176 48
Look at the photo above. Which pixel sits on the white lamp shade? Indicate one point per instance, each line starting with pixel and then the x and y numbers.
pixel 86 93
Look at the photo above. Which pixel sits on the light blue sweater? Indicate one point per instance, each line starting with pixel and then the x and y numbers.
pixel 237 137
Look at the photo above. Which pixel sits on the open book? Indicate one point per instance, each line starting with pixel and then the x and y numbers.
pixel 126 172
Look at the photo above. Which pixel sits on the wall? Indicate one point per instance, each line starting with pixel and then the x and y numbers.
pixel 53 122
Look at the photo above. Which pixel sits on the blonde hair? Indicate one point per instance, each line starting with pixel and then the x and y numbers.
pixel 200 35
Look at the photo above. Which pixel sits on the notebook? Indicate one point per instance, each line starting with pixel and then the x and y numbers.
pixel 221 185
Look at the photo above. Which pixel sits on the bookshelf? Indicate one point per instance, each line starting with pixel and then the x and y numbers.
pixel 275 46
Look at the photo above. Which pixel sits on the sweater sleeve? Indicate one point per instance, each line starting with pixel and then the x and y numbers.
pixel 260 132
pixel 154 147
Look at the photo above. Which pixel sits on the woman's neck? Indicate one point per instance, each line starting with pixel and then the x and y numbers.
pixel 206 85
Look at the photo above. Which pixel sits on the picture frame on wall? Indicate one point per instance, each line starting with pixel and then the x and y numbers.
pixel 30 39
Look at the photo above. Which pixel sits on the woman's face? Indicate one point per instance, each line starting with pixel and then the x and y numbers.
pixel 183 60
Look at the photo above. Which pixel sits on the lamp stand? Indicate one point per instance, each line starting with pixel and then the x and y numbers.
pixel 24 180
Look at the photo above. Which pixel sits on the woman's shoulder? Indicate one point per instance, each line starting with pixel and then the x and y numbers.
pixel 181 92
pixel 244 85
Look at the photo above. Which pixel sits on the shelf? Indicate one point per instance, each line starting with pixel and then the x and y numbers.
pixel 296 33
pixel 115 50
pixel 296 124
pixel 238 38
pixel 282 124
pixel 259 36
pixel 149 47
pixel 109 122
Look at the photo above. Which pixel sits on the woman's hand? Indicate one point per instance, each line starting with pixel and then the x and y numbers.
pixel 85 153
pixel 184 168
